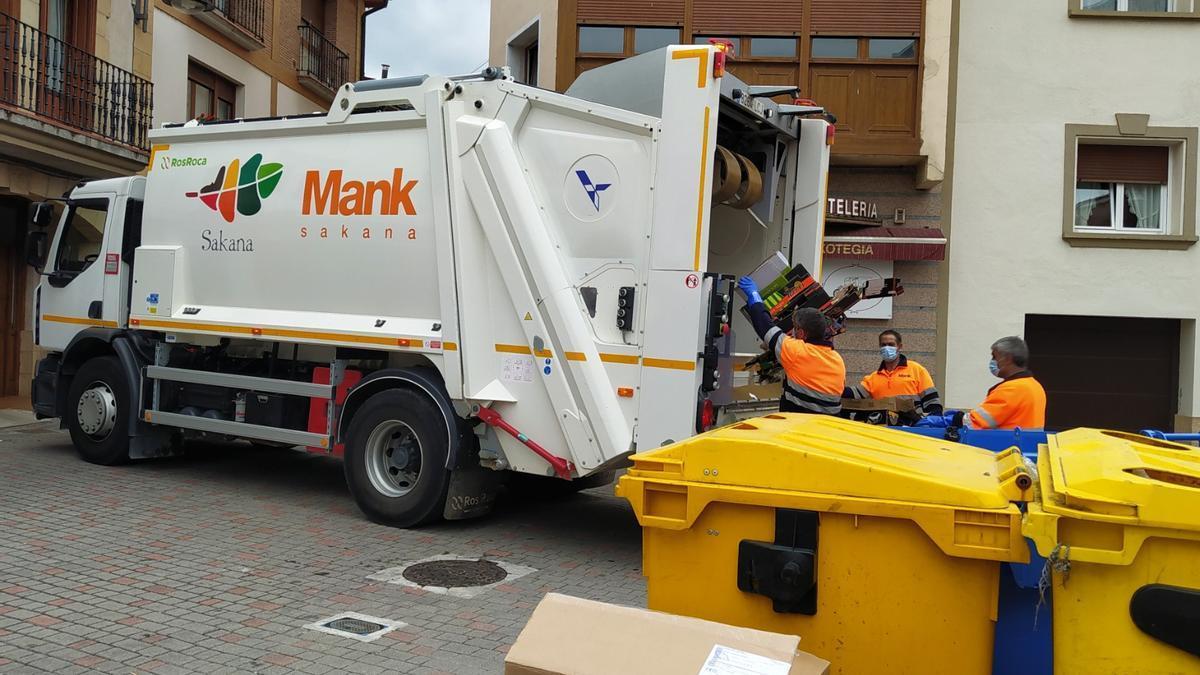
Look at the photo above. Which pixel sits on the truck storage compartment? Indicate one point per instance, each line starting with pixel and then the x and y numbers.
pixel 277 410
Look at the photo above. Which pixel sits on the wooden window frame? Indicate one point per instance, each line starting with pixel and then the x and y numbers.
pixel 1179 231
pixel 628 39
pixel 748 42
pixel 864 49
pixel 1075 10
pixel 204 76
pixel 81 23
pixel 745 50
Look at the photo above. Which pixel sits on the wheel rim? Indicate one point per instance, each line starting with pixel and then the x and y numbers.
pixel 96 411
pixel 393 458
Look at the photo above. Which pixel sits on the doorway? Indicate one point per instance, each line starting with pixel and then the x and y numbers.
pixel 13 272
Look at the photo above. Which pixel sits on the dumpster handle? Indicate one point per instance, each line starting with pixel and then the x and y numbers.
pixel 562 468
pixel 1162 436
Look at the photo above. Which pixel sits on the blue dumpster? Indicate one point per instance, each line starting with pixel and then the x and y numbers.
pixel 1024 643
pixel 989 439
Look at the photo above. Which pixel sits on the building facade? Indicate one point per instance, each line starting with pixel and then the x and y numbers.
pixel 82 82
pixel 880 66
pixel 1072 206
pixel 75 102
pixel 254 58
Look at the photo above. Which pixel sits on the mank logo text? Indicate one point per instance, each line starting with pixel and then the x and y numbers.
pixel 333 196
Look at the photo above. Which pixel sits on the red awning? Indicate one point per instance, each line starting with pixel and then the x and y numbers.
pixel 887 243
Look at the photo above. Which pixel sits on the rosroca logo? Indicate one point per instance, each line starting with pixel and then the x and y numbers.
pixel 240 188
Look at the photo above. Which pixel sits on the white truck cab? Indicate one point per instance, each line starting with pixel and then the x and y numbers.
pixel 445 280
pixel 87 279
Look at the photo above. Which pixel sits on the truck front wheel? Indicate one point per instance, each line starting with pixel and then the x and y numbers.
pixel 98 409
pixel 395 460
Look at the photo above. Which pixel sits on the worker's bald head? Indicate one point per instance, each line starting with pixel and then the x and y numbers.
pixel 810 323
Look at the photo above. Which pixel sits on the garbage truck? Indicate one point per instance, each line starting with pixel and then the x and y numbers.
pixel 443 280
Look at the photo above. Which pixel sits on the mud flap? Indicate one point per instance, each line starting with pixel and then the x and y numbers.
pixel 472 492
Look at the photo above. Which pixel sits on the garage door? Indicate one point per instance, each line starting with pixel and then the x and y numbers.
pixel 1114 373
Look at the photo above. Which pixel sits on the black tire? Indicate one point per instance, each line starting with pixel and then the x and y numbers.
pixel 390 412
pixel 111 447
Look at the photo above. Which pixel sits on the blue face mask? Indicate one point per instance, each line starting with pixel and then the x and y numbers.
pixel 889 353
pixel 994 368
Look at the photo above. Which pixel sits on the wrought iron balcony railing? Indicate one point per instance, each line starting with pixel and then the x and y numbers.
pixel 320 59
pixel 58 83
pixel 249 15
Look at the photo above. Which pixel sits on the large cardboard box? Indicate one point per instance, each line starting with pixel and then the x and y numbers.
pixel 572 636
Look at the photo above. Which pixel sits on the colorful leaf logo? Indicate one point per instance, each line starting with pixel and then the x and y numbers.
pixel 240 188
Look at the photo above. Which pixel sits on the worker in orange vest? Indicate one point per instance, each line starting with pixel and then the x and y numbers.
pixel 898 376
pixel 1019 400
pixel 815 373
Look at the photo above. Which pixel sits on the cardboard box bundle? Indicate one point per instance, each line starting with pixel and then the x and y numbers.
pixel 571 636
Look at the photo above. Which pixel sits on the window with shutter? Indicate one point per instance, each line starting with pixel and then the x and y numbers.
pixel 1122 187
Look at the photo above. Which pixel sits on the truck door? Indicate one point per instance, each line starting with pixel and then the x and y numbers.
pixel 81 285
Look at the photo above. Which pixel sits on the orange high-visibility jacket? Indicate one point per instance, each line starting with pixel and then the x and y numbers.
pixel 815 373
pixel 1019 401
pixel 908 378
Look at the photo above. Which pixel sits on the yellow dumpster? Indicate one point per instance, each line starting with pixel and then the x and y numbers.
pixel 879 548
pixel 1119 519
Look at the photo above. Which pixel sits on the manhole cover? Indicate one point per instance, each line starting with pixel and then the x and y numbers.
pixel 455 573
pixel 355 626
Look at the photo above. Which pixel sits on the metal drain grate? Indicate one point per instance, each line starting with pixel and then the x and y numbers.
pixel 355 626
pixel 455 573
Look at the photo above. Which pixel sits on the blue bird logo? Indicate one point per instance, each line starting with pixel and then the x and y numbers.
pixel 593 189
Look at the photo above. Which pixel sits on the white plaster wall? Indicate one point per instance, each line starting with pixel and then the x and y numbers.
pixel 1025 70
pixel 288 101
pixel 120 35
pixel 509 17
pixel 174 44
pixel 935 98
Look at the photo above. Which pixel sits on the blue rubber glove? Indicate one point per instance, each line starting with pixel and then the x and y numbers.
pixel 954 418
pixel 932 422
pixel 750 289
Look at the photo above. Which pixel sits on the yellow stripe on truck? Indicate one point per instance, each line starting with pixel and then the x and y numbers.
pixel 670 364
pixel 700 53
pixel 704 160
pixel 389 341
pixel 80 321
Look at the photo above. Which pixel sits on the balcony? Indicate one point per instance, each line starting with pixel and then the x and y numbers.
pixel 323 67
pixel 62 107
pixel 239 20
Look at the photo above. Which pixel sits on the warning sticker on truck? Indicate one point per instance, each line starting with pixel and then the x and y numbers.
pixel 516 368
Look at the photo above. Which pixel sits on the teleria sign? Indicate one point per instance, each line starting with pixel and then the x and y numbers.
pixel 852 208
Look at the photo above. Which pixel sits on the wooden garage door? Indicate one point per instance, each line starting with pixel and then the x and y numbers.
pixel 1113 373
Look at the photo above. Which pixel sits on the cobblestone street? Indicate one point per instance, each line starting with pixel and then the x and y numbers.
pixel 215 562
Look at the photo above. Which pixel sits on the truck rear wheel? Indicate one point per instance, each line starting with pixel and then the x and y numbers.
pixel 395 459
pixel 98 409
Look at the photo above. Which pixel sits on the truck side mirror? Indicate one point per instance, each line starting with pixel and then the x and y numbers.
pixel 41 214
pixel 35 249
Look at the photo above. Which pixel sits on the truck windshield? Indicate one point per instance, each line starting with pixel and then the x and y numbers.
pixel 83 237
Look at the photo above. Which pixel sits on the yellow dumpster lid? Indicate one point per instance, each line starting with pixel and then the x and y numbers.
pixel 832 456
pixel 1096 474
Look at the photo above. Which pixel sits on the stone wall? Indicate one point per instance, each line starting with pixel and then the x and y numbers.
pixel 914 313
